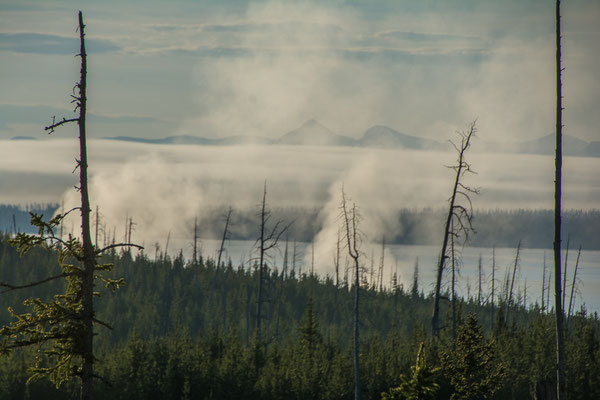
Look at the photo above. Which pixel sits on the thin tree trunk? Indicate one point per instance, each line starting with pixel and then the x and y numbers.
pixel 493 285
pixel 564 283
pixel 351 227
pixel 261 261
pixel 573 283
pixel 512 283
pixel 560 354
pixel 461 166
pixel 229 211
pixel 453 288
pixel 479 267
pixel 195 243
pixel 89 256
pixel 380 274
pixel 544 283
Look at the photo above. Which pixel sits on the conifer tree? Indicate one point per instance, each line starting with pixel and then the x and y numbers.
pixel 63 328
pixel 473 367
pixel 420 386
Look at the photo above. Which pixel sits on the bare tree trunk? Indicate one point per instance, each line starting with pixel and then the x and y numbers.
pixel 564 283
pixel 351 226
pixel 284 267
pixel 479 267
pixel 195 243
pixel 573 284
pixel 560 352
pixel 268 239
pixel 261 250
pixel 229 211
pixel 461 167
pixel 493 285
pixel 544 284
pixel 453 287
pixel 89 256
pixel 512 283
pixel 336 261
pixel 380 274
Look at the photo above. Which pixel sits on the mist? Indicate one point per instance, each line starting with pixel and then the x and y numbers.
pixel 163 188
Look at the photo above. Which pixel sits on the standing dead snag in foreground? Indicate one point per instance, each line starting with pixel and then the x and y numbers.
pixel 66 323
pixel 350 225
pixel 560 339
pixel 459 216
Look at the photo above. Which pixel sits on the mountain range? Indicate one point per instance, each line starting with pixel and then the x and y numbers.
pixel 313 133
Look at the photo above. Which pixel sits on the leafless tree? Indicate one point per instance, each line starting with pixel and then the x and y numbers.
pixel 350 221
pixel 573 288
pixel 268 239
pixel 560 347
pixel 509 299
pixel 460 213
pixel 225 237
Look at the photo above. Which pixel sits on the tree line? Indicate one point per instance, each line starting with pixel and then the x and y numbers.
pixel 180 329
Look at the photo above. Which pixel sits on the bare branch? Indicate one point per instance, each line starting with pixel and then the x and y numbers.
pixel 54 124
pixel 112 246
pixel 32 284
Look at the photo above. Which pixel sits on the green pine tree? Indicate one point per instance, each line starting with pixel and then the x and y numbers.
pixel 473 368
pixel 420 386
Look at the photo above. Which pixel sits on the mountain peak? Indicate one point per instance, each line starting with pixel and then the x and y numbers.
pixel 312 132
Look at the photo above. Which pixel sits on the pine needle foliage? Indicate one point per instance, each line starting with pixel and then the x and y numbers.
pixel 420 386
pixel 473 367
pixel 56 326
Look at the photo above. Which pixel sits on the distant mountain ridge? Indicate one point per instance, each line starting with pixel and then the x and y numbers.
pixel 313 133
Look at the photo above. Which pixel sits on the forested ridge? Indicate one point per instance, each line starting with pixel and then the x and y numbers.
pixel 493 228
pixel 187 330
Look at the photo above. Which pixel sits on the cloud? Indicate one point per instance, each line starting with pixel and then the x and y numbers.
pixel 38 43
pixel 164 187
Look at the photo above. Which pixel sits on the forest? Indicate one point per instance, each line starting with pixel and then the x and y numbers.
pixel 492 228
pixel 188 330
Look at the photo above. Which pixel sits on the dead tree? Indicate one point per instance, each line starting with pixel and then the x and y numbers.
pixel 336 259
pixel 544 285
pixel 461 214
pixel 560 347
pixel 493 287
pixel 509 301
pixel 573 284
pixel 195 244
pixel 268 239
pixel 479 270
pixel 350 220
pixel 66 322
pixel 225 237
pixel 381 264
pixel 564 288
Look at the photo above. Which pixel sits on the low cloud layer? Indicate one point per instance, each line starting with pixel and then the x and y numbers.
pixel 163 188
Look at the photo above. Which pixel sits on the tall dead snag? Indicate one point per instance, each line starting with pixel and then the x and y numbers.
pixel 459 214
pixel 225 237
pixel 268 239
pixel 509 299
pixel 570 309
pixel 493 287
pixel 544 285
pixel 63 328
pixel 560 347
pixel 350 223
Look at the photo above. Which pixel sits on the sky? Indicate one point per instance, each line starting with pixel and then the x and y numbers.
pixel 262 68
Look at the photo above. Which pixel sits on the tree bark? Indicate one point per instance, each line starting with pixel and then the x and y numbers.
pixel 89 257
pixel 461 166
pixel 560 355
